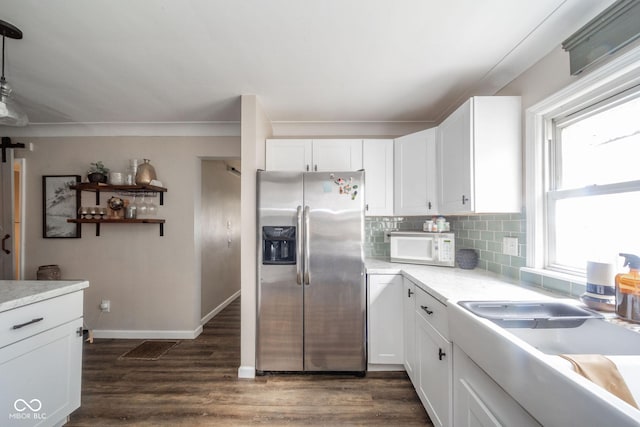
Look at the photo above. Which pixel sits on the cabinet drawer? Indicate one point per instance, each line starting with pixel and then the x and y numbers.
pixel 28 320
pixel 433 311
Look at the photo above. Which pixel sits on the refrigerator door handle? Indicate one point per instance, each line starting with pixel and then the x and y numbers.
pixel 299 246
pixel 305 238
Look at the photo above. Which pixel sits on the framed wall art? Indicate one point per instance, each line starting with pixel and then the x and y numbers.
pixel 59 203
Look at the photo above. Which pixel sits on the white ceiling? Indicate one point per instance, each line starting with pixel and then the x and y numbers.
pixel 153 61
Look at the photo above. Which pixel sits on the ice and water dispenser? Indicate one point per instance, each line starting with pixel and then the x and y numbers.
pixel 279 245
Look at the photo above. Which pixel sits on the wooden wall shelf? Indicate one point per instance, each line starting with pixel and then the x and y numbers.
pixel 97 222
pixel 101 188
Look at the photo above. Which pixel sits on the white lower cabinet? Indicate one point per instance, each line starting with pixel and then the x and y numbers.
pixel 434 364
pixel 385 320
pixel 481 402
pixel 453 389
pixel 41 364
pixel 409 325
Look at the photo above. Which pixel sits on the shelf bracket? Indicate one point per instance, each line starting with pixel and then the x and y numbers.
pixel 161 227
pixel 97 198
pixel 97 229
pixel 161 200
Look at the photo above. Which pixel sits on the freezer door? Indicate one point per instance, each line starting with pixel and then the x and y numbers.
pixel 334 290
pixel 279 341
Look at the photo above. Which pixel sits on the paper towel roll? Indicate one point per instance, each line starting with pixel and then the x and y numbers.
pixel 601 273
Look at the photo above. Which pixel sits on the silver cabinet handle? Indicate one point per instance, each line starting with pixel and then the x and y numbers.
pixel 464 199
pixel 426 309
pixel 305 267
pixel 299 238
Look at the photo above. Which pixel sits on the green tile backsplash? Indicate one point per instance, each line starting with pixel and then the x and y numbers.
pixel 481 232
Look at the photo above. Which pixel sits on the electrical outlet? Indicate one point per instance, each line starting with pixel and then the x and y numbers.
pixel 105 306
pixel 510 246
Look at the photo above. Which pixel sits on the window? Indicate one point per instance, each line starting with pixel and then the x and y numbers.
pixel 593 200
pixel 583 170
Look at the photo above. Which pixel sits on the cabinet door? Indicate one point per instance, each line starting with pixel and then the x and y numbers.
pixel 385 319
pixel 434 356
pixel 288 155
pixel 409 325
pixel 337 155
pixel 455 160
pixel 415 173
pixel 44 373
pixel 480 401
pixel 377 159
pixel 497 154
pixel 474 411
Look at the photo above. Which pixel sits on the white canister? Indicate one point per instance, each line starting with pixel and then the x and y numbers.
pixel 116 178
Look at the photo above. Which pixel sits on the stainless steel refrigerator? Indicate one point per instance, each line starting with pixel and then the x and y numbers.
pixel 311 276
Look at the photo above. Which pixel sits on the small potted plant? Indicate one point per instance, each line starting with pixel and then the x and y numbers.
pixel 97 172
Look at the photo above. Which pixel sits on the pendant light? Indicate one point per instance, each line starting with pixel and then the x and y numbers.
pixel 10 112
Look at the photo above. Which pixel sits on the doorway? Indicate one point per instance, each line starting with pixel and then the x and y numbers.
pixel 12 197
pixel 18 216
pixel 220 235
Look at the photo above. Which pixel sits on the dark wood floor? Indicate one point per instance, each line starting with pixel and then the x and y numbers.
pixel 195 383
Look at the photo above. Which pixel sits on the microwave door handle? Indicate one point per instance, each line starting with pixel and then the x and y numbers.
pixel 434 249
pixel 299 238
pixel 305 267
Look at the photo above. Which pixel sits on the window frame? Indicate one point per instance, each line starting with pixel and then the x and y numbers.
pixel 581 97
pixel 555 190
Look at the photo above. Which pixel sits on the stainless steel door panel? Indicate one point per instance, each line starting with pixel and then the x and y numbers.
pixel 334 299
pixel 279 343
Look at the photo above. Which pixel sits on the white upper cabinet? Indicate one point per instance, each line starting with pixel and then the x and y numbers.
pixel 337 155
pixel 288 155
pixel 415 185
pixel 479 153
pixel 377 159
pixel 305 155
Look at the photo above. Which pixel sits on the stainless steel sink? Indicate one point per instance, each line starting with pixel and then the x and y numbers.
pixel 530 314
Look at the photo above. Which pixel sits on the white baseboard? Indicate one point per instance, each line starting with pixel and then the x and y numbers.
pixel 247 372
pixel 219 308
pixel 374 367
pixel 142 334
pixel 165 335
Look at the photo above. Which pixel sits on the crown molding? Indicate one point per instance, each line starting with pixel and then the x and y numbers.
pixel 124 129
pixel 355 128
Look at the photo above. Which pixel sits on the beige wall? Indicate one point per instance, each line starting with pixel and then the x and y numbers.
pixel 220 235
pixel 153 282
pixel 255 128
pixel 544 78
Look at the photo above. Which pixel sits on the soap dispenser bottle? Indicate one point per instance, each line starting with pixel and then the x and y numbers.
pixel 628 290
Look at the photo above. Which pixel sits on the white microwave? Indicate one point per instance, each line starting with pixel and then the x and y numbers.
pixel 417 247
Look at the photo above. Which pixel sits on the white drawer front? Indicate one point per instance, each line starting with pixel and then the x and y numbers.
pixel 28 320
pixel 433 311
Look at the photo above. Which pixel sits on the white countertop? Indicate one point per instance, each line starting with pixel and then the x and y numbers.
pixel 17 293
pixel 451 285
pixel 502 355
